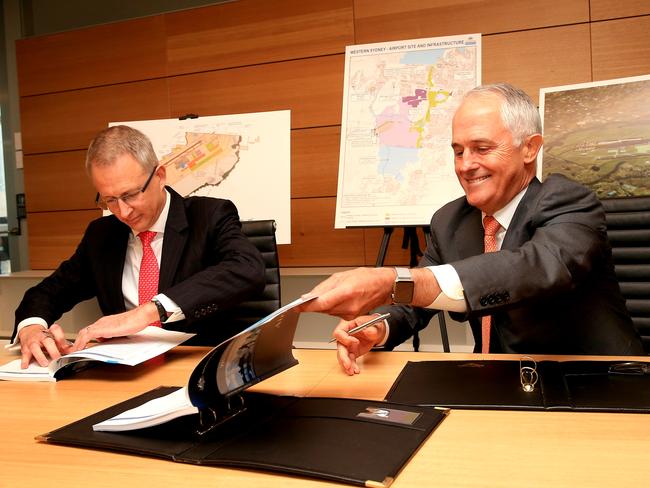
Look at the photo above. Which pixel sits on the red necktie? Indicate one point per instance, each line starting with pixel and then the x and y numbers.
pixel 491 227
pixel 149 271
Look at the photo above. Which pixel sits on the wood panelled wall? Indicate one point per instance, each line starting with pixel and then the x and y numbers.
pixel 258 55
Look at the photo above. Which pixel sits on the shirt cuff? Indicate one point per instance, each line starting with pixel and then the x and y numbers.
pixel 24 323
pixel 171 307
pixel 452 297
pixel 382 343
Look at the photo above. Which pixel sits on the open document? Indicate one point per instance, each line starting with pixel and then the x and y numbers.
pixel 130 350
pixel 256 353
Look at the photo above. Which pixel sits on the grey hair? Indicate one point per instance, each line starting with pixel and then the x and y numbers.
pixel 518 112
pixel 118 140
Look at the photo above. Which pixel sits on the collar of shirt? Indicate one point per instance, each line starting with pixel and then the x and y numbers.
pixel 504 216
pixel 159 225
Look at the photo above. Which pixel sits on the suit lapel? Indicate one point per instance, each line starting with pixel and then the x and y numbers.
pixel 174 240
pixel 469 233
pixel 113 262
pixel 518 232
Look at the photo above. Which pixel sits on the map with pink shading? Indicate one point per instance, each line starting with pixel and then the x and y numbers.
pixel 396 163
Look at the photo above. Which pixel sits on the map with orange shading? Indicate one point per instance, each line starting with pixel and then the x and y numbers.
pixel 244 158
pixel 204 160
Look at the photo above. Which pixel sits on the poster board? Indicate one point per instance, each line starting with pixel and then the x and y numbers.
pixel 599 135
pixel 396 165
pixel 245 158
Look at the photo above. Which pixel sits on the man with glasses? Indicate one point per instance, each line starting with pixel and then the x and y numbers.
pixel 195 261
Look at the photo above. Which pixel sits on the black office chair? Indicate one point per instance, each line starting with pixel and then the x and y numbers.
pixel 262 234
pixel 233 320
pixel 628 229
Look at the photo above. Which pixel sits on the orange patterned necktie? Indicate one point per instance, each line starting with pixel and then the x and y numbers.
pixel 491 227
pixel 149 271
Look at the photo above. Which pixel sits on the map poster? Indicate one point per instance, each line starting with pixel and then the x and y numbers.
pixel 244 158
pixel 599 134
pixel 396 166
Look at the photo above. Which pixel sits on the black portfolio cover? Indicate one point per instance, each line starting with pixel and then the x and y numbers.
pixel 570 385
pixel 359 442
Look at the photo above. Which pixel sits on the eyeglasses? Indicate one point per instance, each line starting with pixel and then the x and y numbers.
pixel 128 198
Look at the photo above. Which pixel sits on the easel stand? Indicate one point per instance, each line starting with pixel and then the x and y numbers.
pixel 410 241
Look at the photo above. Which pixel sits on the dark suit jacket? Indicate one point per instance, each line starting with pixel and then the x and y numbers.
pixel 551 289
pixel 207 266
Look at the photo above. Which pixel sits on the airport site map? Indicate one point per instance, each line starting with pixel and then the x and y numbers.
pixel 396 162
pixel 204 159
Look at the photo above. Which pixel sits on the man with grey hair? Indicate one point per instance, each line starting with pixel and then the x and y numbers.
pixel 158 259
pixel 527 263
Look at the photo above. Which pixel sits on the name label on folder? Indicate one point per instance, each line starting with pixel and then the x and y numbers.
pixel 394 415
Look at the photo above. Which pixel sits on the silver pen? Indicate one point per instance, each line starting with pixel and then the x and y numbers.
pixel 365 325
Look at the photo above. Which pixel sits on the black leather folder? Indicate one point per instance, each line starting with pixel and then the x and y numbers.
pixel 359 442
pixel 569 385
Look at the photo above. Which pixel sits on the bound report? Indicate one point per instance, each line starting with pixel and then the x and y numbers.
pixel 130 350
pixel 610 386
pixel 214 421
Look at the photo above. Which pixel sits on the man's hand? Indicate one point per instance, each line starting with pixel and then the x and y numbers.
pixel 357 292
pixel 351 293
pixel 351 347
pixel 38 343
pixel 118 325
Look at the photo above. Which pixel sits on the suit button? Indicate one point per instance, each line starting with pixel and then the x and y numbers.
pixel 506 296
pixel 491 300
pixel 483 301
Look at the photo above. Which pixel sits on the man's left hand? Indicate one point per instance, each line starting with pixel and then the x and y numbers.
pixel 118 325
pixel 351 347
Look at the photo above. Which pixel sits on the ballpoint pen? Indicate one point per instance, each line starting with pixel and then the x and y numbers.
pixel 365 325
pixel 630 368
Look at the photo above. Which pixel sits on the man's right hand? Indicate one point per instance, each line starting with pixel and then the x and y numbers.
pixel 351 347
pixel 349 293
pixel 39 343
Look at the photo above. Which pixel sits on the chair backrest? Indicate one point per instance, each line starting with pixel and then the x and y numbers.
pixel 262 234
pixel 628 229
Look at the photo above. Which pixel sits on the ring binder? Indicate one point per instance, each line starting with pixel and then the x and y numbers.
pixel 211 418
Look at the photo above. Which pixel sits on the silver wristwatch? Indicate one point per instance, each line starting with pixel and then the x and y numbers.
pixel 403 287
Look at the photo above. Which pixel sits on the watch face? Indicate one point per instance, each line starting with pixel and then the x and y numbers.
pixel 403 292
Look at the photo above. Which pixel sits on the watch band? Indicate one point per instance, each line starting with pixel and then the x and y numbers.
pixel 162 313
pixel 403 274
pixel 403 286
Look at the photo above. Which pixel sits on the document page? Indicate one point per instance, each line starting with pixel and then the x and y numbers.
pixel 12 371
pixel 130 350
pixel 133 349
pixel 154 412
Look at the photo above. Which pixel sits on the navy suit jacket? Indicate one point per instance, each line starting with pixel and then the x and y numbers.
pixel 551 289
pixel 207 266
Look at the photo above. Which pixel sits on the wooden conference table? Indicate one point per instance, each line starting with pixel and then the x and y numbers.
pixel 470 448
